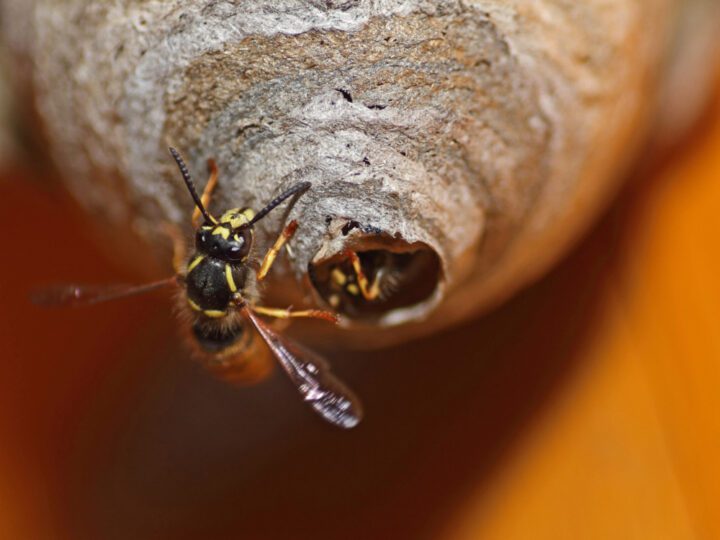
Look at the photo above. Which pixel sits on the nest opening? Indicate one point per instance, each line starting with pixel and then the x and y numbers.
pixel 395 280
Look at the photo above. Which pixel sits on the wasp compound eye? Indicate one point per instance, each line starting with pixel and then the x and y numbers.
pixel 235 252
pixel 239 245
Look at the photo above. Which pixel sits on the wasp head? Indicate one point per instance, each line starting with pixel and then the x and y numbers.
pixel 229 239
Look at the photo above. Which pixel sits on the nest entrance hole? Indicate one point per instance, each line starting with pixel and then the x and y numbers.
pixel 403 278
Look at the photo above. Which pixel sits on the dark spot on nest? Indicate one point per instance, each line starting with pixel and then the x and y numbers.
pixel 345 94
pixel 243 130
pixel 371 229
pixel 349 226
pixel 342 5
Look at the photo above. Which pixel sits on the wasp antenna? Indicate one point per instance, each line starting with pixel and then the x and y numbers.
pixel 191 187
pixel 297 189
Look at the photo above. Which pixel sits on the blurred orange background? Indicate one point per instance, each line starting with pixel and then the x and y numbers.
pixel 587 407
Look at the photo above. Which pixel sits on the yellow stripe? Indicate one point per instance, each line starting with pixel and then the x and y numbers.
pixel 194 263
pixel 235 218
pixel 229 214
pixel 222 231
pixel 214 313
pixel 229 278
pixel 193 305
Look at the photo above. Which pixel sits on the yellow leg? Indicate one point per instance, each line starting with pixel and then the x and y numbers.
pixel 272 253
pixel 207 192
pixel 369 292
pixel 178 244
pixel 280 313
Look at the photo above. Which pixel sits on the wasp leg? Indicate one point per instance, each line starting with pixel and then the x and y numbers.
pixel 272 253
pixel 280 313
pixel 369 292
pixel 178 244
pixel 207 192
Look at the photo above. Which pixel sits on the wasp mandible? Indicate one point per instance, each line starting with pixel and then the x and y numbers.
pixel 220 295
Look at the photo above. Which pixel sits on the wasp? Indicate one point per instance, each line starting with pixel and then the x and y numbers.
pixel 358 279
pixel 219 294
pixel 362 284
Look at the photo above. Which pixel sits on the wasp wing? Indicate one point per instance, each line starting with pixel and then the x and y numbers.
pixel 87 295
pixel 311 375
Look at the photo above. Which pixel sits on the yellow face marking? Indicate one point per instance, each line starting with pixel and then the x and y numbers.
pixel 229 278
pixel 222 231
pixel 214 313
pixel 338 277
pixel 229 214
pixel 353 289
pixel 334 300
pixel 194 263
pixel 236 217
pixel 193 305
pixel 237 222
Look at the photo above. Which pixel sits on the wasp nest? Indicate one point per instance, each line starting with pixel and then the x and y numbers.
pixel 458 146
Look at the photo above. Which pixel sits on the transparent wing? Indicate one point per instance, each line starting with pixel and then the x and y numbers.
pixel 85 295
pixel 311 375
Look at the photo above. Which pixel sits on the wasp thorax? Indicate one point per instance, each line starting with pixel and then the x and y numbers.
pixel 216 273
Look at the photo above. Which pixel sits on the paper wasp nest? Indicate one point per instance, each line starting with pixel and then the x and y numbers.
pixel 460 145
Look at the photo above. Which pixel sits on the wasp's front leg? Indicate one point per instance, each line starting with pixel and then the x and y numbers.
pixel 286 234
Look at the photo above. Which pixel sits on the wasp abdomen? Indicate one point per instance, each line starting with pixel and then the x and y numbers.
pixel 214 338
pixel 211 284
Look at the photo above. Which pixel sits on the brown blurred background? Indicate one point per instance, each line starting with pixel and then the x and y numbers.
pixel 587 407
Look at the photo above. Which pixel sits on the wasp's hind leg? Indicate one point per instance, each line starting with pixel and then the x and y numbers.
pixel 286 234
pixel 207 192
